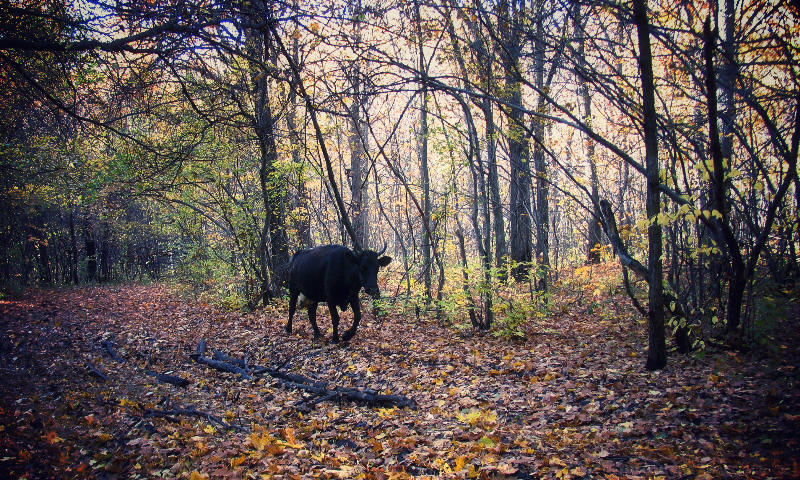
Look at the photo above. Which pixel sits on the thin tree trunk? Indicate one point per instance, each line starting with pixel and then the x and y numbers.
pixel 358 162
pixel 91 252
pixel 539 163
pixel 301 208
pixel 719 190
pixel 594 237
pixel 422 154
pixel 657 351
pixel 273 243
pixel 73 250
pixel 473 319
pixel 105 252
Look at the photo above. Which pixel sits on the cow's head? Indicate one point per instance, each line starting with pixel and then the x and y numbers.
pixel 368 264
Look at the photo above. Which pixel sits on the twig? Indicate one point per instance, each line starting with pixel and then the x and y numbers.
pixel 95 372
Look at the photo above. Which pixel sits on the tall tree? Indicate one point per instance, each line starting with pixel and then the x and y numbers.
pixel 273 249
pixel 510 22
pixel 657 350
pixel 594 228
pixel 539 161
pixel 358 138
pixel 422 154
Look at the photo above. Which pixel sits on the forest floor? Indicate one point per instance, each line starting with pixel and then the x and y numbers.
pixel 571 400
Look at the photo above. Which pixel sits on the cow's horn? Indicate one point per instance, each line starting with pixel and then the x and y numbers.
pixel 383 250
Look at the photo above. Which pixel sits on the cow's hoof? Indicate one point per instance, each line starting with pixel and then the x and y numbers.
pixel 288 330
pixel 335 339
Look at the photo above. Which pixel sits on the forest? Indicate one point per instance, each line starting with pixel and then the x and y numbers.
pixel 591 207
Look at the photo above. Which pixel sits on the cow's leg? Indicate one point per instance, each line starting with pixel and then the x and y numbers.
pixel 334 321
pixel 356 306
pixel 312 317
pixel 292 306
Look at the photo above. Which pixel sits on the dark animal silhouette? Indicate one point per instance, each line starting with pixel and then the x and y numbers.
pixel 333 274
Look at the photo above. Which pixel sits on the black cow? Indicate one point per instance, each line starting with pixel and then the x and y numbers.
pixel 333 274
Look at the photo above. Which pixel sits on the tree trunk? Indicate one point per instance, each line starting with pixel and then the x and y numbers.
pixel 358 162
pixel 728 73
pixel 539 163
pixel 719 190
pixel 473 318
pixel 302 218
pixel 273 243
pixel 422 154
pixel 594 229
pixel 91 252
pixel 480 204
pixel 73 250
pixel 657 351
pixel 45 270
pixel 494 182
pixel 518 147
pixel 105 252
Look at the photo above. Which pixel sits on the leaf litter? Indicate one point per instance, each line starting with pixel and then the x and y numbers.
pixel 571 400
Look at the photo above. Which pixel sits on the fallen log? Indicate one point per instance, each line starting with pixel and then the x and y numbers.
pixel 222 366
pixel 95 372
pixel 167 378
pixel 368 396
pixel 108 347
pixel 320 390
pixel 288 377
pixel 222 357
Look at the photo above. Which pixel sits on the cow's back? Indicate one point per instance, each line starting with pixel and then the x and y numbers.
pixel 323 272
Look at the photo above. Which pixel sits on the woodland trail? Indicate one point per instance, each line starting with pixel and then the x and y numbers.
pixel 572 400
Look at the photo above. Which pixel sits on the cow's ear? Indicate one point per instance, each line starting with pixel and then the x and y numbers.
pixel 383 261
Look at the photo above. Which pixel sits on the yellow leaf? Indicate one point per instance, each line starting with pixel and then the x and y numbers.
pixel 387 412
pixel 235 462
pixel 198 476
pixel 443 466
pixel 470 417
pixel 209 429
pixel 260 441
pixel 460 463
pixel 320 457
pixel 291 440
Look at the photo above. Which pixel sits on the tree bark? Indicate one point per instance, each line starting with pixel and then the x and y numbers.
pixel 518 146
pixel 73 249
pixel 105 252
pixel 594 229
pixel 719 189
pixel 657 352
pixel 358 151
pixel 422 155
pixel 300 201
pixel 539 163
pixel 91 252
pixel 273 243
